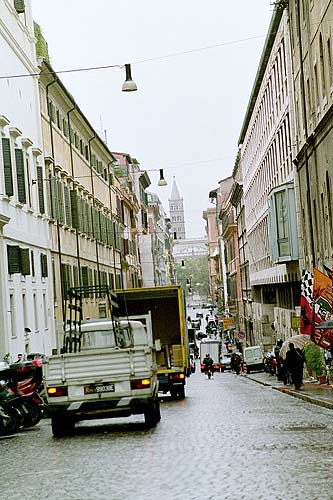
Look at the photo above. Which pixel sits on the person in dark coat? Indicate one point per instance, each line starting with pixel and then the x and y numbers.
pixel 294 365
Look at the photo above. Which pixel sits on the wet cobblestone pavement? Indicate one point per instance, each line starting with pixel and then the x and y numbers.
pixel 231 438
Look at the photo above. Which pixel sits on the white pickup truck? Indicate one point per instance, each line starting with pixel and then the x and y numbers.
pixel 114 374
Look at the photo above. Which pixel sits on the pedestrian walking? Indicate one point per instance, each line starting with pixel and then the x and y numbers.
pixel 294 365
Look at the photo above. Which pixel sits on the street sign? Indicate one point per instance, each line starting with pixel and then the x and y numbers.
pixel 228 323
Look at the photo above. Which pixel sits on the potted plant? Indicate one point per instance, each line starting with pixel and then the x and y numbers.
pixel 315 361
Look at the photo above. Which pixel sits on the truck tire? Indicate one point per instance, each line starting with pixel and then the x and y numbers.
pixel 153 414
pixel 178 393
pixel 62 425
pixel 34 415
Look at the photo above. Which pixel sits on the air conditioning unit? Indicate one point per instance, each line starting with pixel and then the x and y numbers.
pixel 264 318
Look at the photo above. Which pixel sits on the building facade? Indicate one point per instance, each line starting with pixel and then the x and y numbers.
pixel 88 210
pixel 312 60
pixel 265 144
pixel 26 297
pixel 153 248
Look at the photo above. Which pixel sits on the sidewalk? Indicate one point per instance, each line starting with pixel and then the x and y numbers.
pixel 319 394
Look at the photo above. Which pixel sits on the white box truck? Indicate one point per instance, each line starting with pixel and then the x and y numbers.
pixel 213 348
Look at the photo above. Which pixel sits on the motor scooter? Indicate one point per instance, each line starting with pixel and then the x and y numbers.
pixel 26 381
pixel 11 417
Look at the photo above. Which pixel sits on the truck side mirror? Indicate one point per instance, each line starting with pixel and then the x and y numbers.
pixel 158 345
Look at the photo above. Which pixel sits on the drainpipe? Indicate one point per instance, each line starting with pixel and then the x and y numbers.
pixel 57 221
pixel 72 171
pixel 93 193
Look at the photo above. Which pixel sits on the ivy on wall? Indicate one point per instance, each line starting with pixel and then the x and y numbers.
pixel 41 44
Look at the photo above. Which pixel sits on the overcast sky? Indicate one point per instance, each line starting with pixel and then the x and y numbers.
pixel 187 114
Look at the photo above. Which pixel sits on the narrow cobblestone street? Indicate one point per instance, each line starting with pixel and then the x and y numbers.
pixel 231 438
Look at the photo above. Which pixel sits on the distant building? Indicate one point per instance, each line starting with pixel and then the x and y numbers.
pixel 155 246
pixel 177 216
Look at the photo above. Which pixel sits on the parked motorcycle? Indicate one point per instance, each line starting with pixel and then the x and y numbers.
pixel 270 363
pixel 19 397
pixel 11 417
pixel 26 381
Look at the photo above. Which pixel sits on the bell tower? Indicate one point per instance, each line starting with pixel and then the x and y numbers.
pixel 177 217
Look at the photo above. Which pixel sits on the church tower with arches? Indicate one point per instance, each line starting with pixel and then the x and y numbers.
pixel 177 216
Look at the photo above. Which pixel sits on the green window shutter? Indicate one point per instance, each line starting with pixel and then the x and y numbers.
pixel 55 293
pixel 14 259
pixel 84 278
pixel 85 218
pixel 104 232
pixel 54 197
pixel 40 190
pixel 22 196
pixel 25 261
pixel 76 276
pixel 90 280
pixel 43 265
pixel 69 275
pixel 80 213
pixel 7 165
pixel 95 223
pixel 68 206
pixel 74 208
pixel 32 260
pixel 90 226
pixel 61 210
pixel 64 279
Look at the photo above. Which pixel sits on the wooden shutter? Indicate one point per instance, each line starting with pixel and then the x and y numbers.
pixel 76 275
pixel 68 206
pixel 40 190
pixel 25 261
pixel 7 165
pixel 53 197
pixel 14 259
pixel 61 208
pixel 64 279
pixel 32 260
pixel 80 212
pixel 90 225
pixel 84 278
pixel 43 265
pixel 74 207
pixel 22 197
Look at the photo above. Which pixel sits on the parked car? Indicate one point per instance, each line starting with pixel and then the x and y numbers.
pixel 254 358
pixel 225 361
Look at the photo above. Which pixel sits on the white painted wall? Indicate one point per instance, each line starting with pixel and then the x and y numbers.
pixel 26 301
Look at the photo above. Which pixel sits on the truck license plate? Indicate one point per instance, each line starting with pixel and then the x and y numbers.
pixel 98 388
